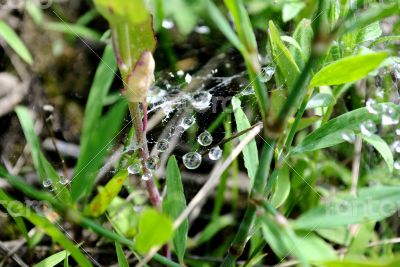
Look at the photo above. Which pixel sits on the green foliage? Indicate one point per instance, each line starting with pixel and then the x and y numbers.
pixel 343 71
pixel 174 204
pixel 102 200
pixel 122 261
pixel 12 39
pixel 371 204
pixel 155 229
pixel 250 153
pixel 53 260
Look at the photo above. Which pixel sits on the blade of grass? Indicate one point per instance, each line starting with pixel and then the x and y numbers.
pixel 45 225
pixel 122 261
pixel 53 260
pixel 174 203
pixel 12 39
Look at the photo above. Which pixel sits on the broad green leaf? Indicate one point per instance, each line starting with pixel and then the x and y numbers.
pixel 320 100
pixel 122 261
pixel 291 9
pixel 174 204
pixel 12 39
pixel 250 153
pixel 103 199
pixel 338 235
pixel 281 55
pixel 282 187
pixel 53 260
pixel 45 225
pixel 303 35
pixel 385 39
pixel 155 229
pixel 365 262
pixel 43 168
pixel 381 146
pixel 185 14
pixel 73 29
pixel 371 204
pixel 360 242
pixel 344 70
pixel 330 133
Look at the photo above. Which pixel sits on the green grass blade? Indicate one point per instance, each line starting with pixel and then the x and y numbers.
pixel 122 260
pixel 12 39
pixel 281 55
pixel 347 209
pixel 330 133
pixel 380 145
pixel 53 260
pixel 250 153
pixel 91 158
pixel 43 168
pixel 174 204
pixel 343 71
pixel 45 225
pixel 73 29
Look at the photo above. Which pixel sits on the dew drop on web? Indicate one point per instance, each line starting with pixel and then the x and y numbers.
pixel 134 168
pixel 395 146
pixel 215 153
pixel 47 183
pixel 370 106
pixel 368 128
pixel 389 116
pixel 146 177
pixel 205 138
pixel 63 180
pixel 187 122
pixel 152 163
pixel 192 160
pixel 200 100
pixel 267 73
pixel 349 136
pixel 162 145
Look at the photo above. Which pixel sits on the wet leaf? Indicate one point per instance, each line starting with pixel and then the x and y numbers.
pixel 343 70
pixel 320 100
pixel 174 204
pixel 103 199
pixel 46 226
pixel 155 229
pixel 13 40
pixel 371 204
pixel 381 146
pixel 330 133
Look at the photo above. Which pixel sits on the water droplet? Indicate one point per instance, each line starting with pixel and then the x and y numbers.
pixel 134 168
pixel 192 160
pixel 205 138
pixel 249 90
pixel 369 105
pixel 389 116
pixel 63 180
pixel 380 93
pixel 152 163
pixel 180 73
pixel 188 78
pixel 48 108
pixel 396 165
pixel 368 128
pixel 202 29
pixel 167 24
pixel 398 132
pixel 349 136
pixel 396 70
pixel 267 73
pixel 395 146
pixel 156 95
pixel 47 183
pixel 215 153
pixel 187 122
pixel 146 176
pixel 162 145
pixel 200 100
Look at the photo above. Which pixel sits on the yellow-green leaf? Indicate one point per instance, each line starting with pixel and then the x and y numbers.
pixel 349 69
